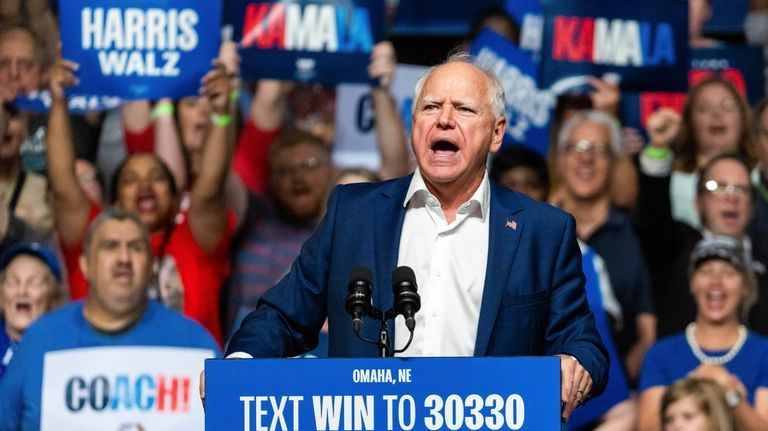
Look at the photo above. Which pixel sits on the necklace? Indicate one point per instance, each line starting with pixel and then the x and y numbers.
pixel 714 360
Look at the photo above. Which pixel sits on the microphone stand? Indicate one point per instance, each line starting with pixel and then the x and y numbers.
pixel 383 343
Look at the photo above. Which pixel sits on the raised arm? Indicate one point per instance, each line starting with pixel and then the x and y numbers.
pixel 208 210
pixel 71 206
pixel 390 132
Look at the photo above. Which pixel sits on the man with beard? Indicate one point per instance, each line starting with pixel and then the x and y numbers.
pixel 300 178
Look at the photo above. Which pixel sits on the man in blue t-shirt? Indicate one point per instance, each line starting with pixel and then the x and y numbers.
pixel 117 313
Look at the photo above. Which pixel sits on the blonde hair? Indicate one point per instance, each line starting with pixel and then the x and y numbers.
pixel 708 397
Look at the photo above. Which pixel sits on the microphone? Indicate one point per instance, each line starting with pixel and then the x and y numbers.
pixel 358 302
pixel 407 300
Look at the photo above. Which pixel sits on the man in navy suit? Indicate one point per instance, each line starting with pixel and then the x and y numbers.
pixel 499 274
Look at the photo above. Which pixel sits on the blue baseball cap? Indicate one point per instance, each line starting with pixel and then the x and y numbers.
pixel 33 249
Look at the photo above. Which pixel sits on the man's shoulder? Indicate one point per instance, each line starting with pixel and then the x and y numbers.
pixel 179 329
pixel 374 188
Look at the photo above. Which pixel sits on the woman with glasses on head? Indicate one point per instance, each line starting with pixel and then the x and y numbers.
pixel 716 345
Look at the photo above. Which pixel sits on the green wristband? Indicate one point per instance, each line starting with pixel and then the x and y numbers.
pixel 221 120
pixel 162 109
pixel 656 153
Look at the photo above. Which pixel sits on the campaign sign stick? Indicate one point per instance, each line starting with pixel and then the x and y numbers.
pixel 383 394
pixel 327 41
pixel 140 49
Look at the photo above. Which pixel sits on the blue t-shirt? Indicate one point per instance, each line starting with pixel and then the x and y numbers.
pixel 7 347
pixel 671 359
pixel 66 328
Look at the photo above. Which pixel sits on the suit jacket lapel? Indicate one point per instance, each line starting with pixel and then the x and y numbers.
pixel 507 224
pixel 388 215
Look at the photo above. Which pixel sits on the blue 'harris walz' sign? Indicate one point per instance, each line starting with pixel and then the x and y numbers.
pixel 139 49
pixel 328 41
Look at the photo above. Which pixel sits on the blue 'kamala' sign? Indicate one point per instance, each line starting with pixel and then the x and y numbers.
pixel 139 49
pixel 383 394
pixel 646 48
pixel 328 41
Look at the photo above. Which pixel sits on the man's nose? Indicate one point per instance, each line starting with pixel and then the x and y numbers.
pixel 123 254
pixel 446 117
pixel 15 69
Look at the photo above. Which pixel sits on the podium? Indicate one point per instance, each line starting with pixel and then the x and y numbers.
pixel 488 393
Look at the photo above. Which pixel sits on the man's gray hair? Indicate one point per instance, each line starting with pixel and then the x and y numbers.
pixel 113 213
pixel 591 116
pixel 495 89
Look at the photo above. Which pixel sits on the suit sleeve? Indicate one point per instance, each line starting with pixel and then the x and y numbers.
pixel 288 318
pixel 571 325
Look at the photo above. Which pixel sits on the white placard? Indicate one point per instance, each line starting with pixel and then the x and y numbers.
pixel 355 136
pixel 127 388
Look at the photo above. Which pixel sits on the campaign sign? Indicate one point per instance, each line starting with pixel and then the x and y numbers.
pixel 123 388
pixel 39 102
pixel 741 65
pixel 140 49
pixel 327 41
pixel 646 48
pixel 355 144
pixel 527 107
pixel 383 394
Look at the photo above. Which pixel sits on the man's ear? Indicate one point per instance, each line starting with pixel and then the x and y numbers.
pixel 499 128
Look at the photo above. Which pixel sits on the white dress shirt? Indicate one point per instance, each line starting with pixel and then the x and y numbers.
pixel 449 261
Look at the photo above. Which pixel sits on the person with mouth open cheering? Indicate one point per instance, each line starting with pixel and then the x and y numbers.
pixel 716 345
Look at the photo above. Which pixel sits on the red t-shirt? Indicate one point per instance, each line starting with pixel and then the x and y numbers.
pixel 249 160
pixel 190 278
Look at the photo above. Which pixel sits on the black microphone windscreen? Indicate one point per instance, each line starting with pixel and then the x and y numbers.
pixel 402 274
pixel 361 273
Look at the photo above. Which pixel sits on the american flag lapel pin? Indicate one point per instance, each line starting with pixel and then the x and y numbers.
pixel 511 224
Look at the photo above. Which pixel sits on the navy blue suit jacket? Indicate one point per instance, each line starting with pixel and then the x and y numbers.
pixel 533 302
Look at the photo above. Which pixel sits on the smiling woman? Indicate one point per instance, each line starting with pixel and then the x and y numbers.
pixel 29 278
pixel 716 346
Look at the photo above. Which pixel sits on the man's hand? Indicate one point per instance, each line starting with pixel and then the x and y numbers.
pixel 606 96
pixel 663 125
pixel 383 63
pixel 202 387
pixel 575 384
pixel 62 75
pixel 215 86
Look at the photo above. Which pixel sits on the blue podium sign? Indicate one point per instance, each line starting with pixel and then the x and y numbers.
pixel 383 394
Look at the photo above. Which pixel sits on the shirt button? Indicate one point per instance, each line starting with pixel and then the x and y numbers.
pixel 434 314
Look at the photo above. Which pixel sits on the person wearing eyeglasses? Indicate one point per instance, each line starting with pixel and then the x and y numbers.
pixel 715 120
pixel 724 201
pixel 589 146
